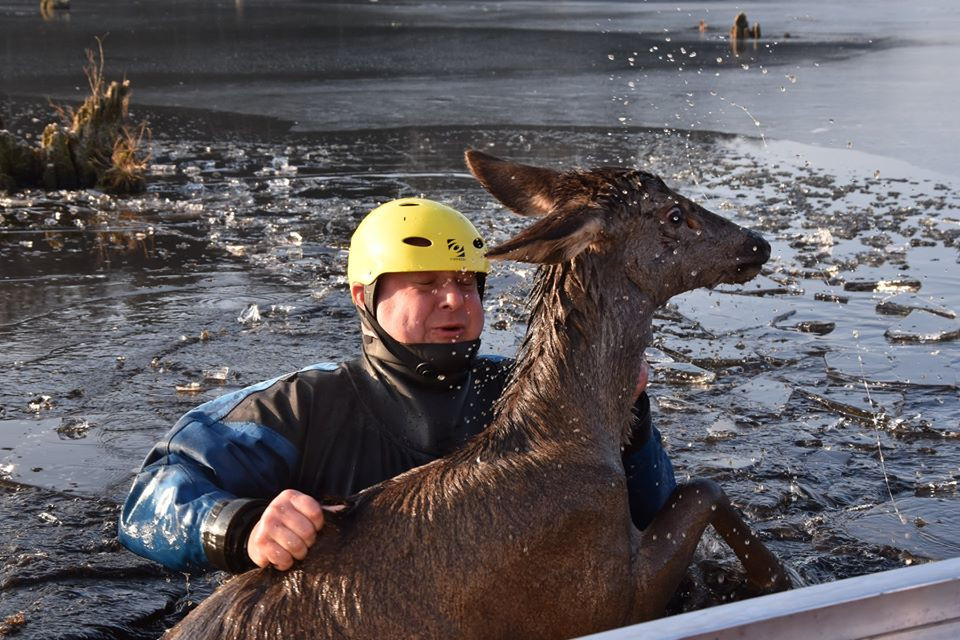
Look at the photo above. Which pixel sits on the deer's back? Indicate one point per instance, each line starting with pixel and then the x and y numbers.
pixel 522 553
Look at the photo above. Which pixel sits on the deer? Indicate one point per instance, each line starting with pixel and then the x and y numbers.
pixel 525 531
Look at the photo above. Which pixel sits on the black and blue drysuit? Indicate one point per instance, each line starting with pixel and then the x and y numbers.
pixel 329 430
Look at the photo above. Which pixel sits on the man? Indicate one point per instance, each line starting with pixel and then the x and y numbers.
pixel 237 482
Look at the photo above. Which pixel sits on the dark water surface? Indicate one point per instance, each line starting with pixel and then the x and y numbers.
pixel 823 396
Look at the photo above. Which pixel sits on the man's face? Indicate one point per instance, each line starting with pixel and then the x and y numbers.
pixel 429 306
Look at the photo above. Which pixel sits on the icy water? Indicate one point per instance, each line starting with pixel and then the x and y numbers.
pixel 823 396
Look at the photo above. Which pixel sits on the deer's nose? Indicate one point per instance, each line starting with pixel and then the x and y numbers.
pixel 758 246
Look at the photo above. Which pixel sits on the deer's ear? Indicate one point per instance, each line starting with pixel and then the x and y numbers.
pixel 552 240
pixel 521 188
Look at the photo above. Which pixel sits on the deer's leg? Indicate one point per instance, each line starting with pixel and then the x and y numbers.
pixel 763 567
pixel 667 545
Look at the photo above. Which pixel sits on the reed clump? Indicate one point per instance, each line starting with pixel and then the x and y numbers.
pixel 93 145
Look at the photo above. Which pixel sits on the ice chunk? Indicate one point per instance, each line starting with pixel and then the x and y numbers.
pixel 895 285
pixel 730 462
pixel 683 373
pixel 654 355
pixel 814 325
pixel 763 393
pixel 924 328
pixel 720 352
pixel 721 426
pixel 908 366
pixel 783 347
pixel 876 407
pixel 250 315
pixel 217 374
pixel 721 313
pixel 902 304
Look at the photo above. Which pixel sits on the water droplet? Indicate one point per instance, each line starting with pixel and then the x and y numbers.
pixel 610 56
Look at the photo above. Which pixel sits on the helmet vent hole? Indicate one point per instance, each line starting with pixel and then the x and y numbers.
pixel 417 241
pixel 409 204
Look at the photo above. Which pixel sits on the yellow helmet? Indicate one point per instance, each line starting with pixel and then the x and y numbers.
pixel 414 234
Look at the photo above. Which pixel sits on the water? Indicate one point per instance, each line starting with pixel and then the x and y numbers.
pixel 275 131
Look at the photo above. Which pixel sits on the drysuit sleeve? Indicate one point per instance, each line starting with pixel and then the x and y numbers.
pixel 204 486
pixel 650 479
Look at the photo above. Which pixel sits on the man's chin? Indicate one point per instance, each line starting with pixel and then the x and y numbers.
pixel 446 339
pixel 442 336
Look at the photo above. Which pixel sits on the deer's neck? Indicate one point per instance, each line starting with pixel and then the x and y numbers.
pixel 577 371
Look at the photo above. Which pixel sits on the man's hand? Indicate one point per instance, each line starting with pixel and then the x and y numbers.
pixel 642 378
pixel 286 530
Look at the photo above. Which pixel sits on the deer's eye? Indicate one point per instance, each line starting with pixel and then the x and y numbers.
pixel 675 215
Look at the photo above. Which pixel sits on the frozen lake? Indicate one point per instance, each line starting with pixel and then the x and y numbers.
pixel 823 396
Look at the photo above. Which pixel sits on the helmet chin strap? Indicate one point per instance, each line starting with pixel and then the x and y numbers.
pixel 428 360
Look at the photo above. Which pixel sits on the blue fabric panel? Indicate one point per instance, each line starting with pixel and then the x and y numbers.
pixel 650 480
pixel 201 462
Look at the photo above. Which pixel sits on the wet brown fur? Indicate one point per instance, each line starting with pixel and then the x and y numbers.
pixel 525 532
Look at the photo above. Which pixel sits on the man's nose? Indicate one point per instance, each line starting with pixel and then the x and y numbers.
pixel 451 297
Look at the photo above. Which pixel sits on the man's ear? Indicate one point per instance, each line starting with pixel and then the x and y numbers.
pixel 523 189
pixel 552 240
pixel 356 294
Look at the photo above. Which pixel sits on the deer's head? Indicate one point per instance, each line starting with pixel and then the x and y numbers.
pixel 660 241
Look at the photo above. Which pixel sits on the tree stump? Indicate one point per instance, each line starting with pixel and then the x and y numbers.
pixel 741 30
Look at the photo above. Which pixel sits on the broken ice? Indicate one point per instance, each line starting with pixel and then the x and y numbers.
pixel 217 374
pixel 250 315
pixel 924 328
pixel 684 373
